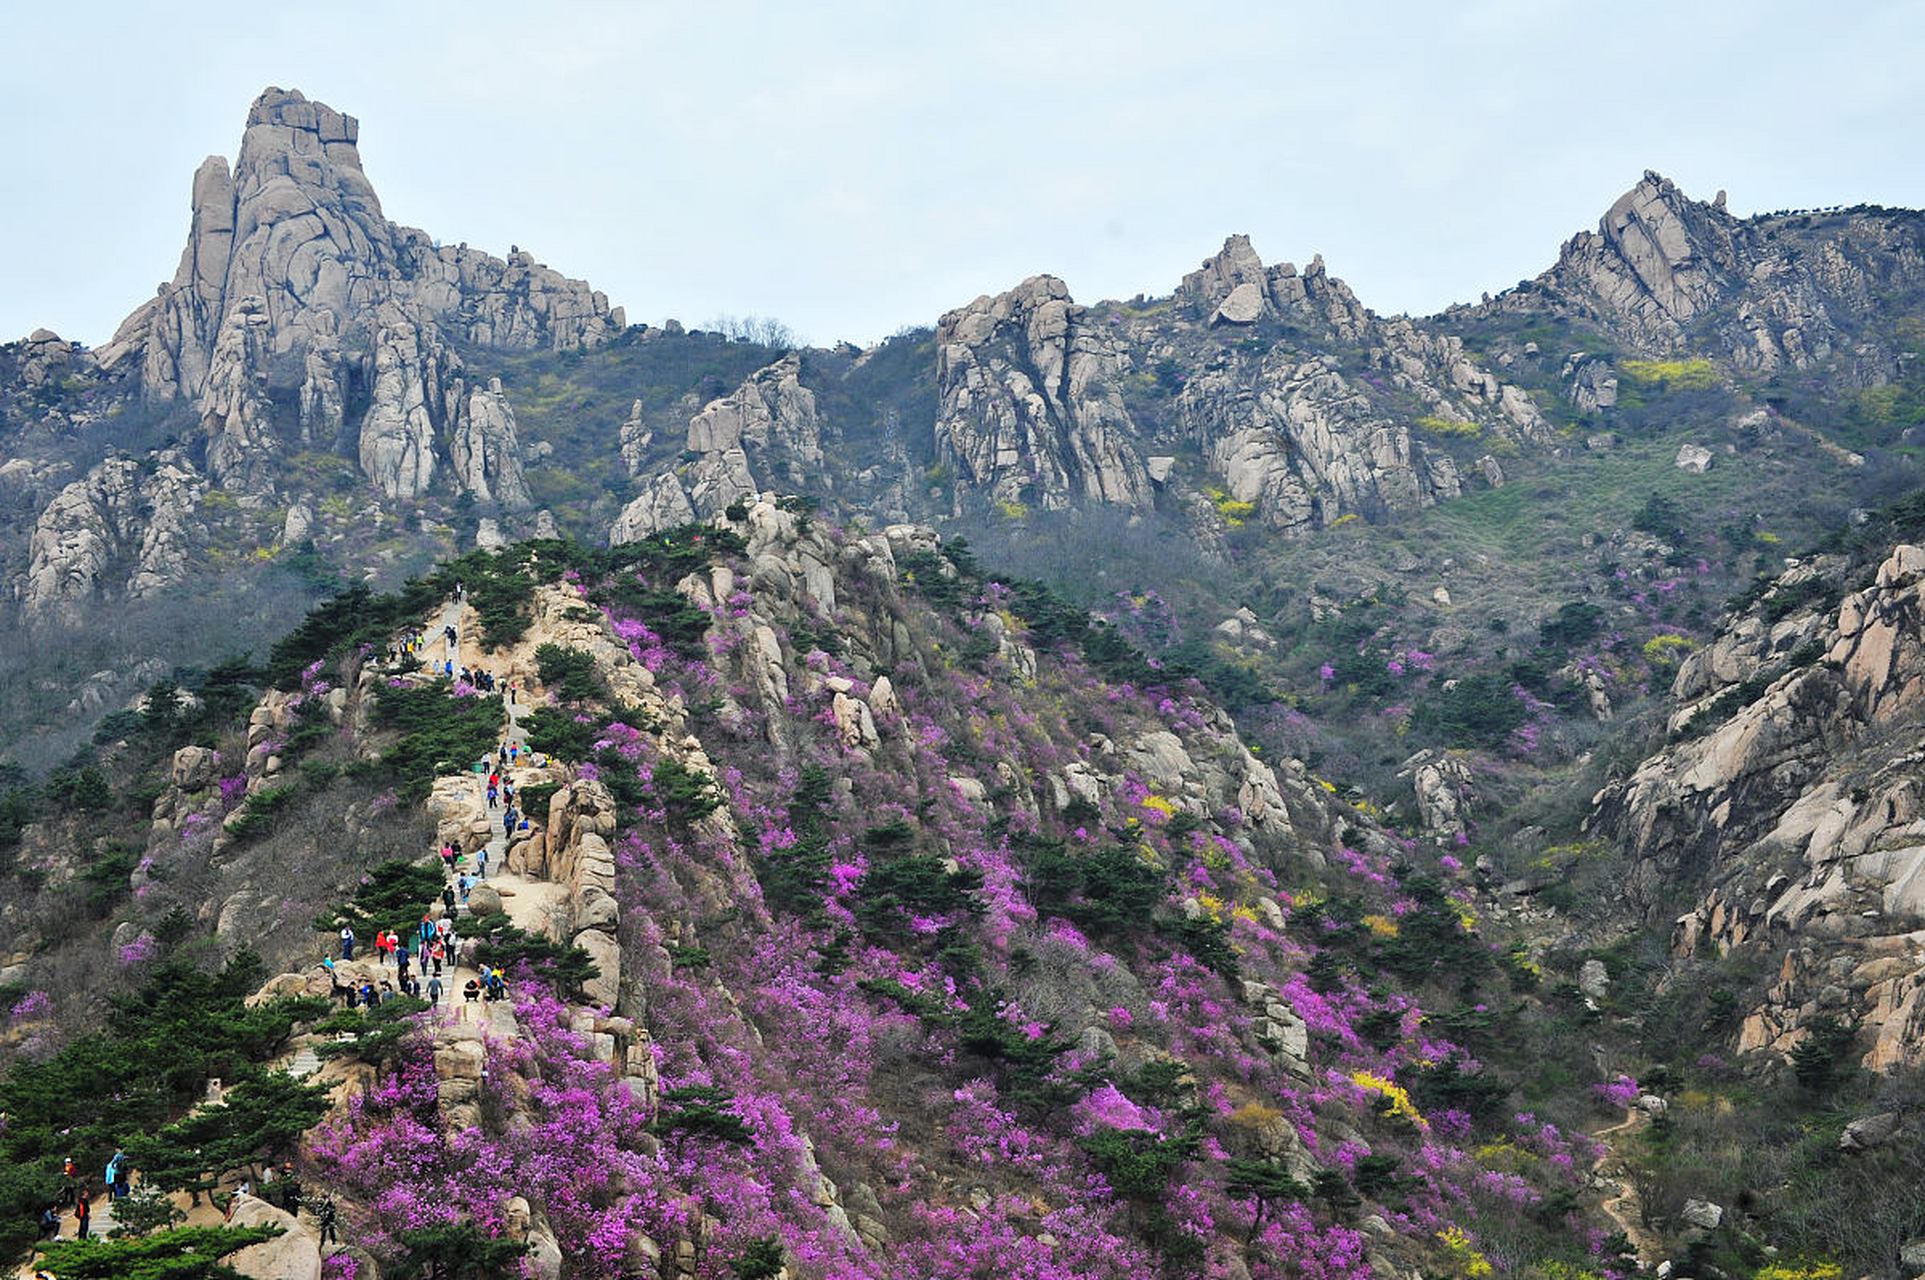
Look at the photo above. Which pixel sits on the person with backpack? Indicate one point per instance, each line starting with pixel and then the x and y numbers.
pixel 434 990
pixel 448 899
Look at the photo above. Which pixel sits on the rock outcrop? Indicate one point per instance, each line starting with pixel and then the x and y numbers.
pixel 765 433
pixel 1798 815
pixel 1031 409
pixel 293 283
pixel 1299 438
pixel 124 528
pixel 1664 273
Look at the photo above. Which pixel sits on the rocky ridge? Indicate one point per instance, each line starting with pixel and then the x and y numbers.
pixel 1031 405
pixel 1297 435
pixel 1664 273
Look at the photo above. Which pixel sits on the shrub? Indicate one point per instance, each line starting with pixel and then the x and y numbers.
pixel 570 672
pixel 686 795
pixel 554 732
pixel 185 1253
pixel 439 734
pixel 393 895
pixel 1476 711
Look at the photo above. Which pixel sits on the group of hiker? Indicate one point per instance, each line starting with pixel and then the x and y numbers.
pixel 75 1195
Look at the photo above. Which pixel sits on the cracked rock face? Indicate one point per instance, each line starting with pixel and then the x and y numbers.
pixel 765 433
pixel 1665 274
pixel 1030 403
pixel 485 451
pixel 122 528
pixel 1803 809
pixel 1297 438
pixel 293 281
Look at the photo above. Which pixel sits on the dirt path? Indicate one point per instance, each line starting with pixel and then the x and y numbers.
pixel 1623 1208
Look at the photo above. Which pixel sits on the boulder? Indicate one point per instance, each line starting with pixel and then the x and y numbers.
pixel 1594 980
pixel 484 899
pixel 1694 458
pixel 1702 1214
pixel 1243 305
pixel 294 1255
pixel 1867 1132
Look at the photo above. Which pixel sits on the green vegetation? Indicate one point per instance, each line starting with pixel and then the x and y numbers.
pixel 439 734
pixel 392 895
pixel 1694 374
pixel 1476 711
pixel 149 1061
pixel 570 673
pixel 260 1120
pixel 185 1253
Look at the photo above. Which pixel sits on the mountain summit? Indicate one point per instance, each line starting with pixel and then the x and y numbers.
pixel 293 286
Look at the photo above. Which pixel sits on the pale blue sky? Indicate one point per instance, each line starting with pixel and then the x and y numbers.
pixel 852 168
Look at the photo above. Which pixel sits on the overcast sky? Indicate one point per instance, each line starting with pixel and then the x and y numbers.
pixel 854 168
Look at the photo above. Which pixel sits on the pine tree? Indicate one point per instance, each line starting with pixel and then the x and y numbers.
pixel 186 1253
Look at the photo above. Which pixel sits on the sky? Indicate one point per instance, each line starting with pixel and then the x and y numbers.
pixel 851 169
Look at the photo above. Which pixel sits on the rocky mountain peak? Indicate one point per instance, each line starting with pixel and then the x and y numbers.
pixel 293 286
pixel 1031 406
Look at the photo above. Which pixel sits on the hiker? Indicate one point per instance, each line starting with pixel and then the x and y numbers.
pixel 444 927
pixel 437 953
pixel 426 929
pixel 448 857
pixel 401 959
pixel 291 1185
pixel 471 992
pixel 69 1181
pixel 508 819
pixel 434 987
pixel 383 947
pixel 83 1216
pixel 324 1218
pixel 49 1223
pixel 369 997
pixel 494 796
pixel 111 1176
pixel 347 942
pixel 387 991
pixel 447 900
